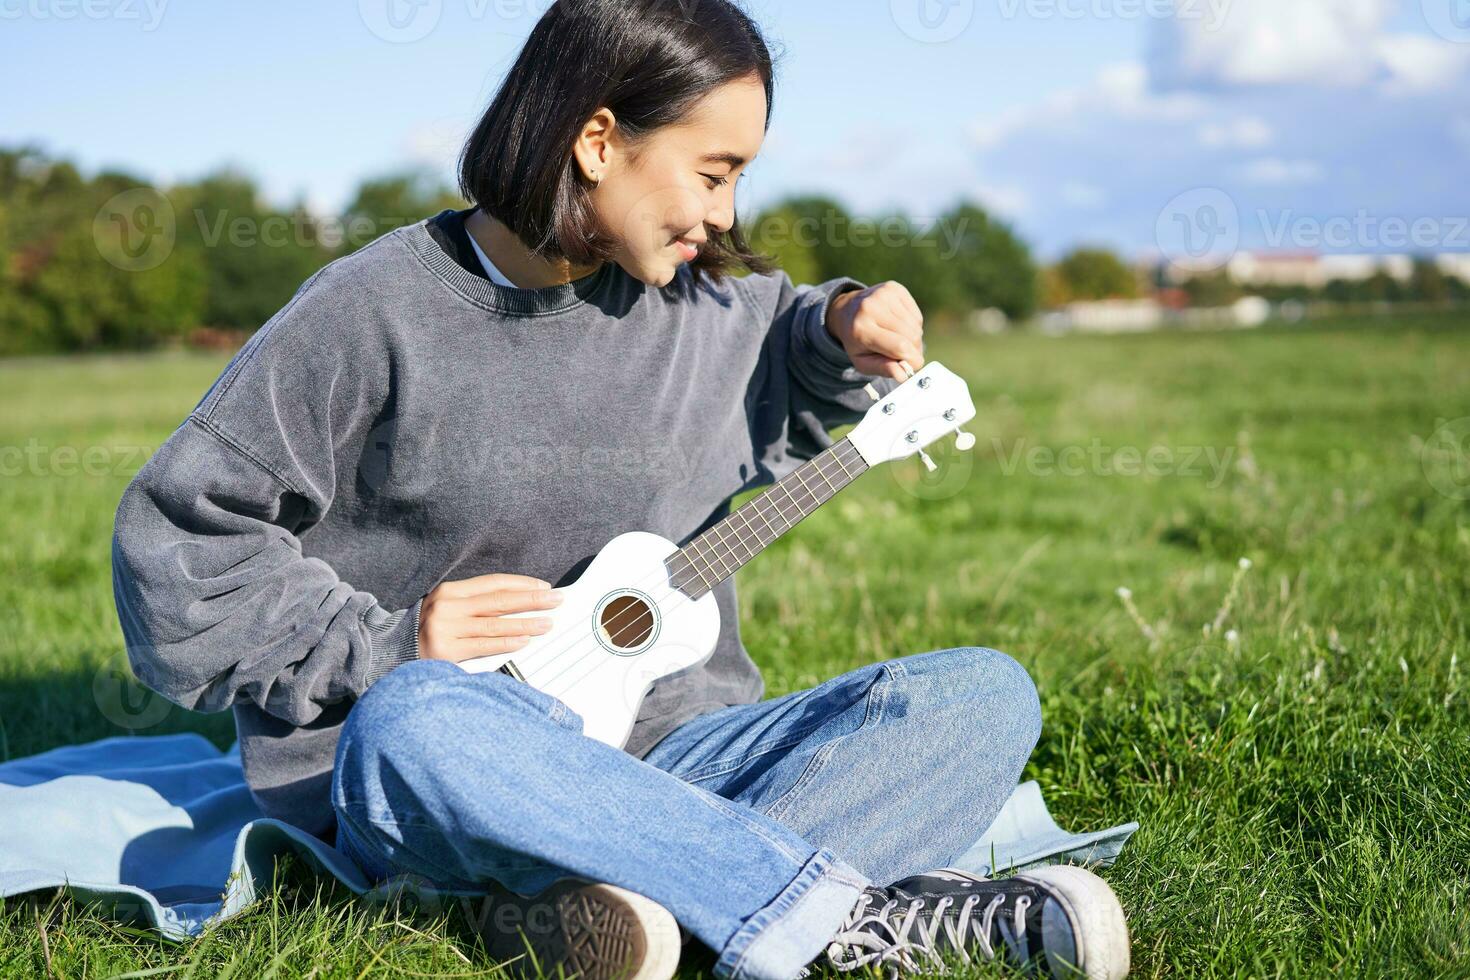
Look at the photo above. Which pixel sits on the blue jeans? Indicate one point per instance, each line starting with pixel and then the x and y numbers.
pixel 755 825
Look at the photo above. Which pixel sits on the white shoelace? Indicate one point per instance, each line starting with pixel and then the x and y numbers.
pixel 910 949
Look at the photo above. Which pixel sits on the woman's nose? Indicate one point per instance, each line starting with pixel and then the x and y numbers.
pixel 721 219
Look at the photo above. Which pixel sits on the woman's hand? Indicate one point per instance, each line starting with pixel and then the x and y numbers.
pixel 878 327
pixel 465 619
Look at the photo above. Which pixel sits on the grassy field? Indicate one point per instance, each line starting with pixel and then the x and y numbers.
pixel 1293 736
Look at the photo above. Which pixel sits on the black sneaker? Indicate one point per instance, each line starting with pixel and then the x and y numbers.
pixel 1061 919
pixel 579 928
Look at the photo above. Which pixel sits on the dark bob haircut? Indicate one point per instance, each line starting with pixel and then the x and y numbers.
pixel 650 62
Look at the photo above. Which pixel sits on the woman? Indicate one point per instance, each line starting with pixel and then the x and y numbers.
pixel 439 427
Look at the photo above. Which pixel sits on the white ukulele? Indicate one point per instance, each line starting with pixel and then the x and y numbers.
pixel 642 610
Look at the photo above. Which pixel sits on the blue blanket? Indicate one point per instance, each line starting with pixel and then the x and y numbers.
pixel 160 831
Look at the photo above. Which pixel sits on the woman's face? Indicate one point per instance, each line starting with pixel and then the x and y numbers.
pixel 665 202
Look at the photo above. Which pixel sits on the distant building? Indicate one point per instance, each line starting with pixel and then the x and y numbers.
pixel 1142 315
pixel 1313 270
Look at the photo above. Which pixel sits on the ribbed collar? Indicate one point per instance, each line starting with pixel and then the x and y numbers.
pixel 505 299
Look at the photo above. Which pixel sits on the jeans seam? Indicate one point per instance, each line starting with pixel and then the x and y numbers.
pixel 877 696
pixel 823 865
pixel 386 862
pixel 727 765
pixel 731 810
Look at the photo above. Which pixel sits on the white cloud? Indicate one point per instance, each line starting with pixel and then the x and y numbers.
pixel 1330 43
pixel 1273 171
pixel 1413 63
pixel 1307 108
pixel 1245 132
pixel 1083 195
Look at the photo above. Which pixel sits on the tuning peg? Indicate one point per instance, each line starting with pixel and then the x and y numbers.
pixel 963 441
pixel 908 371
pixel 928 463
pixel 872 392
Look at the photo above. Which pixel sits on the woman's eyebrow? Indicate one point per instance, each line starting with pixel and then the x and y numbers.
pixel 733 159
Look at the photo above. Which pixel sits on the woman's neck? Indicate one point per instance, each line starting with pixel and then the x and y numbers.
pixel 512 258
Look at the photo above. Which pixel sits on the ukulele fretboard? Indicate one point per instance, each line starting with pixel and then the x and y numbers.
pixel 719 552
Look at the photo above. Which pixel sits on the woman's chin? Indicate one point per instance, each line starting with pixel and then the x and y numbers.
pixel 658 274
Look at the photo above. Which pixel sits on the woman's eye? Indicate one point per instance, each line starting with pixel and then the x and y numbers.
pixel 716 181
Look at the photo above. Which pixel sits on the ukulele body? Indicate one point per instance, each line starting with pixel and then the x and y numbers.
pixel 621 626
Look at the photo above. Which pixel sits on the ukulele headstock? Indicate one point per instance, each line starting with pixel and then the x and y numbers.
pixel 925 408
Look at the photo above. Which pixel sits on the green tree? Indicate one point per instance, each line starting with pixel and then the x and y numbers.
pixel 988 263
pixel 1428 283
pixel 1095 273
pixel 805 235
pixel 392 201
pixel 1212 289
pixel 67 279
pixel 255 256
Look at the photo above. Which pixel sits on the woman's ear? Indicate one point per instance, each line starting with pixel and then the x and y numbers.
pixel 594 149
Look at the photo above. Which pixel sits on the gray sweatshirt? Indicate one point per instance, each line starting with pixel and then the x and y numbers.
pixel 404 421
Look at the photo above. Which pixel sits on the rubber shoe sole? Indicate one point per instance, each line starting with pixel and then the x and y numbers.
pixel 1094 918
pixel 579 929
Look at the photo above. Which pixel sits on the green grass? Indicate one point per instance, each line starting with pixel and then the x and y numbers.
pixel 1303 782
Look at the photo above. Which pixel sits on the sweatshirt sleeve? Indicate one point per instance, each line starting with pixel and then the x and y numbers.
pixel 822 390
pixel 216 600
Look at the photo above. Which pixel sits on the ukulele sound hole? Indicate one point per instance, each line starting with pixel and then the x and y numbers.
pixel 625 623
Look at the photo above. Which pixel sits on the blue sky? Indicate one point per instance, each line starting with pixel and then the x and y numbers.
pixel 1078 120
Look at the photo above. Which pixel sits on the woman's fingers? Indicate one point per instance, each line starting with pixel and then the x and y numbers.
pixel 500 603
pixel 470 647
pixel 474 626
pixel 885 350
pixel 495 582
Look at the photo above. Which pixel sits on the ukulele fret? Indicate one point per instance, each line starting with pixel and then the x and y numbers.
pixel 728 545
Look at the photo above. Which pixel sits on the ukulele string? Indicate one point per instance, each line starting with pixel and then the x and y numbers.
pixel 539 674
